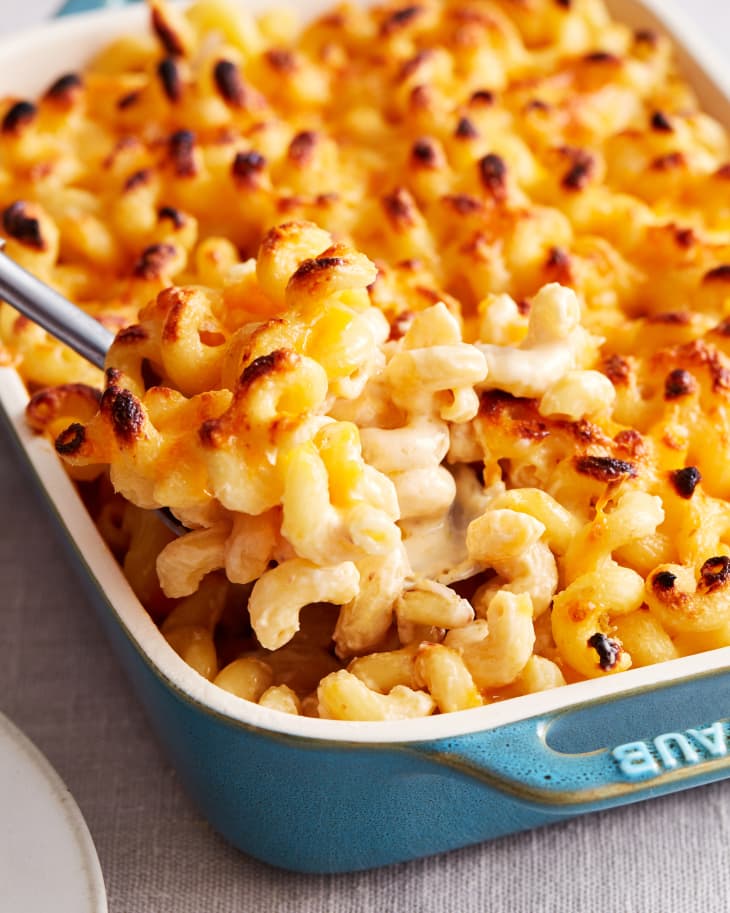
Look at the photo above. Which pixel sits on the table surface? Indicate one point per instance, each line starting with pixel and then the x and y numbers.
pixel 60 683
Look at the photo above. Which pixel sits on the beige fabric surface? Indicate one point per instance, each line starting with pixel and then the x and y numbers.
pixel 60 683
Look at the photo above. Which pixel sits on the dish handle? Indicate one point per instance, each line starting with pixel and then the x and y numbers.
pixel 85 6
pixel 607 752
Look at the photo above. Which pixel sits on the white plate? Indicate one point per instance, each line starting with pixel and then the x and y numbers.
pixel 48 863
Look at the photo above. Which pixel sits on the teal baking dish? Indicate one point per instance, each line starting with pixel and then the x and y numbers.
pixel 324 796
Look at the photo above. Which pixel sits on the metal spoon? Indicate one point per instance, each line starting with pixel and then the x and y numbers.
pixel 63 320
pixel 46 307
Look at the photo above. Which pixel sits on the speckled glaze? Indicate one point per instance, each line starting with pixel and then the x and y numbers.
pixel 322 796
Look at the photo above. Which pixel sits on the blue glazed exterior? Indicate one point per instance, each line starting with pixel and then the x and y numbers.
pixel 85 6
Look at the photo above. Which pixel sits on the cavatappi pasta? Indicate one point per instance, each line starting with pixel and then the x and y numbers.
pixel 423 325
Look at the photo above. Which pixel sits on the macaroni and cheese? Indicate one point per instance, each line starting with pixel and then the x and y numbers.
pixel 422 322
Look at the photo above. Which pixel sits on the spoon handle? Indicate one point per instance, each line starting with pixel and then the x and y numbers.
pixel 44 306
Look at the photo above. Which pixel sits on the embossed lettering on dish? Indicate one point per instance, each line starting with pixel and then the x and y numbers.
pixel 641 760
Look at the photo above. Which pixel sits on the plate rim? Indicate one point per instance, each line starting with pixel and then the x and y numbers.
pixel 67 806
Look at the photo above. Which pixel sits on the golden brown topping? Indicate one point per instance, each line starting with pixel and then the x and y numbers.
pixel 669 162
pixel 138 179
pixel 170 40
pixel 605 469
pixel 263 365
pixel 685 480
pixel 154 259
pixel 646 36
pixel 319 265
pixel 557 265
pixel 664 581
pixel 425 153
pixel 463 204
pixel 125 412
pixel 704 355
pixel 400 19
pixel 301 149
pixel 400 208
pixel 281 60
pixel 465 129
pixel 173 302
pixel 247 166
pixel 182 148
pixel 685 237
pixel 582 169
pixel 229 83
pixel 315 276
pixel 65 87
pixel 19 116
pixel 411 66
pixel 602 57
pixel 174 215
pixel 608 650
pixel 679 383
pixel 400 325
pixel 215 432
pixel 20 223
pixel 70 441
pixel 519 416
pixel 129 100
pixel 132 335
pixel 169 75
pixel 661 123
pixel 631 441
pixel 324 200
pixel 671 318
pixel 482 98
pixel 722 328
pixel 493 174
pixel 48 405
pixel 473 14
pixel 617 369
pixel 718 274
pixel 421 98
pixel 714 574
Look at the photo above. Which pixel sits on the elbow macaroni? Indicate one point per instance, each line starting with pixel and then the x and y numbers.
pixel 431 360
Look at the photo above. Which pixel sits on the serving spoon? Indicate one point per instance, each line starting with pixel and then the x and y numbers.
pixel 72 326
pixel 49 309
pixel 66 322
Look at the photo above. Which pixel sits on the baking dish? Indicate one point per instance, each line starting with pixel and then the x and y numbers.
pixel 318 795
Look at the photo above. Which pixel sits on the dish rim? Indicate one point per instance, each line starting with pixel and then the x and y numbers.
pixel 89 31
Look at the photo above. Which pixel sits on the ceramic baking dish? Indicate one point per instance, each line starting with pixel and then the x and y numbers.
pixel 324 796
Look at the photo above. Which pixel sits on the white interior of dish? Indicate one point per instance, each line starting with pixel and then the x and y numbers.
pixel 28 63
